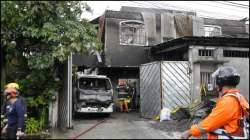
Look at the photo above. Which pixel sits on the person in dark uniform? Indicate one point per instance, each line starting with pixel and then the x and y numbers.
pixel 4 102
pixel 15 111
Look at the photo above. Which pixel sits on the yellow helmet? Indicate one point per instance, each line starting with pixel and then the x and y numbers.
pixel 12 85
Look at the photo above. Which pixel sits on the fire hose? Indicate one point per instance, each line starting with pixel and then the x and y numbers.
pixel 87 130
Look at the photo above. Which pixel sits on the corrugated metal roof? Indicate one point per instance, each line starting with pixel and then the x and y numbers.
pixel 204 41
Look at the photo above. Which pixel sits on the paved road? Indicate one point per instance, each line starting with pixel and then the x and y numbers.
pixel 117 126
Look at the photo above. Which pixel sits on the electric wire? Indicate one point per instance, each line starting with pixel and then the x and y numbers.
pixel 202 13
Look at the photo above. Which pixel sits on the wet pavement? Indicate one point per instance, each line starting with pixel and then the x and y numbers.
pixel 116 126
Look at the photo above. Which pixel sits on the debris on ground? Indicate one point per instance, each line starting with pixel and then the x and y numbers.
pixel 193 111
pixel 183 117
pixel 172 125
pixel 180 113
pixel 165 114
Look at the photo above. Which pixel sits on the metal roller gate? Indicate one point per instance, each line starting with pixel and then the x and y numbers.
pixel 164 84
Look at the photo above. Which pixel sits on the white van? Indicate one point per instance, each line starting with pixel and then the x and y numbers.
pixel 92 94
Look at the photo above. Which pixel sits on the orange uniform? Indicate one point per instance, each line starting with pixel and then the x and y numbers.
pixel 226 115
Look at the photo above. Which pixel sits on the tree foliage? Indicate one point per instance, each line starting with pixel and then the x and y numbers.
pixel 37 37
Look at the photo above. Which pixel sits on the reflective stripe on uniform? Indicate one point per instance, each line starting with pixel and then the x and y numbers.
pixel 235 95
pixel 222 134
pixel 202 130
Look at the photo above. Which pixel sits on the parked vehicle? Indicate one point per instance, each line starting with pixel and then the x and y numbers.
pixel 92 94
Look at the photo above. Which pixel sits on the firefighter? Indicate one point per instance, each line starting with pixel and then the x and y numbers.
pixel 15 111
pixel 3 107
pixel 124 100
pixel 123 97
pixel 225 119
pixel 124 104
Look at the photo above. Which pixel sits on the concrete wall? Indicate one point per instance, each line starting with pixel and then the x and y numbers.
pixel 168 30
pixel 211 63
pixel 198 26
pixel 229 27
pixel 121 55
pixel 160 27
pixel 160 23
pixel 150 24
pixel 194 74
pixel 242 65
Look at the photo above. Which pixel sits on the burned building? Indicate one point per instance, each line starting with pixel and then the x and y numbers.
pixel 183 68
pixel 134 36
pixel 177 43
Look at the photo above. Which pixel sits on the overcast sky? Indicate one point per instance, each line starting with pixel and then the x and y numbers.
pixel 216 9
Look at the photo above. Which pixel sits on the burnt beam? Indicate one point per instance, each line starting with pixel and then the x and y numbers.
pixel 177 47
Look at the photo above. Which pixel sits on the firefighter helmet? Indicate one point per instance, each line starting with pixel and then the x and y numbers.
pixel 227 76
pixel 12 85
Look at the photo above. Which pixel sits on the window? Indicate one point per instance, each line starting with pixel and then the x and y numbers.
pixel 232 53
pixel 204 52
pixel 132 33
pixel 207 80
pixel 211 30
pixel 94 83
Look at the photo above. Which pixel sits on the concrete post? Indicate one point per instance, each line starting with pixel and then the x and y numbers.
pixel 53 112
pixel 195 75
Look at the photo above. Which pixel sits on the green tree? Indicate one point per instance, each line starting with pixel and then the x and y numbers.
pixel 37 37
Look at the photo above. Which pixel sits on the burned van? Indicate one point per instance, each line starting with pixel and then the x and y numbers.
pixel 92 94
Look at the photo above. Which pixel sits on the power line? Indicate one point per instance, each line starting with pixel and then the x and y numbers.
pixel 146 5
pixel 174 7
pixel 237 3
pixel 216 13
pixel 138 4
pixel 202 13
pixel 230 4
pixel 221 7
pixel 225 2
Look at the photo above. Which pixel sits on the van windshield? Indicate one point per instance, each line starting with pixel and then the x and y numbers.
pixel 94 84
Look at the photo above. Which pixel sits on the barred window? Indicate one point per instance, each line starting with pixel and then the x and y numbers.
pixel 132 33
pixel 233 53
pixel 207 80
pixel 211 30
pixel 204 52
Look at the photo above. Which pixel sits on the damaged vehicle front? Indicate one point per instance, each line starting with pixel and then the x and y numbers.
pixel 93 94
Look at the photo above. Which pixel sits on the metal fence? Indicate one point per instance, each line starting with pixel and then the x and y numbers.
pixel 175 84
pixel 164 84
pixel 150 94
